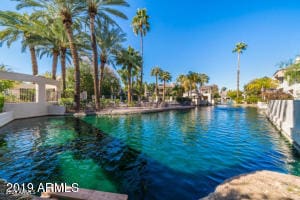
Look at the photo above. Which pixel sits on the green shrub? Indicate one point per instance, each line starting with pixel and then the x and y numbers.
pixel 10 98
pixel 253 99
pixel 66 101
pixel 117 101
pixel 238 100
pixel 68 93
pixel 104 102
pixel 1 102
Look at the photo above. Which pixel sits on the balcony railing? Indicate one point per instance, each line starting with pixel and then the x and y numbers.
pixel 26 95
pixel 21 95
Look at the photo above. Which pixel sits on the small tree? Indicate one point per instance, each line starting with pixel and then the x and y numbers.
pixel 165 77
pixel 155 72
pixel 5 84
pixel 292 74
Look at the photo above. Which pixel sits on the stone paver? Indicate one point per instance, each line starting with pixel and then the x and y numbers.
pixel 84 194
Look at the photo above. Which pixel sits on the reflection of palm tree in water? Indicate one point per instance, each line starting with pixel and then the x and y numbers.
pixel 134 131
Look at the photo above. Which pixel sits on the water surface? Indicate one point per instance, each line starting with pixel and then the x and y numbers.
pixel 169 155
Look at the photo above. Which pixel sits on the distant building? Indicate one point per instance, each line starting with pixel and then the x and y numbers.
pixel 202 97
pixel 224 97
pixel 169 86
pixel 292 89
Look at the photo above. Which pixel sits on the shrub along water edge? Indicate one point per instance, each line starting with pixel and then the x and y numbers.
pixel 1 102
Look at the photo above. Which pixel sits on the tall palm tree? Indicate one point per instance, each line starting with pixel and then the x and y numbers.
pixel 130 60
pixel 141 26
pixel 155 72
pixel 17 27
pixel 165 77
pixel 193 80
pixel 65 53
pixel 55 43
pixel 68 10
pixel 59 43
pixel 184 82
pixel 109 39
pixel 202 79
pixel 49 45
pixel 239 49
pixel 98 9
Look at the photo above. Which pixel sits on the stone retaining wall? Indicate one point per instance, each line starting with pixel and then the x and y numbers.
pixel 285 115
pixel 5 118
pixel 26 110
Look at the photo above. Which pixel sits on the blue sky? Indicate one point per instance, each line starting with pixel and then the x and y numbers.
pixel 200 35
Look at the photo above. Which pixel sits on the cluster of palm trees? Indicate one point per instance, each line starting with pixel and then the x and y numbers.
pixel 163 76
pixel 188 82
pixel 192 81
pixel 68 30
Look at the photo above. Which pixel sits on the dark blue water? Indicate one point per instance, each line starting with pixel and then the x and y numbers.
pixel 169 155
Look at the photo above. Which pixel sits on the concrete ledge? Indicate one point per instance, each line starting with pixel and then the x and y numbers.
pixel 28 110
pixel 84 194
pixel 284 115
pixel 56 110
pixel 6 117
pixel 24 110
pixel 79 114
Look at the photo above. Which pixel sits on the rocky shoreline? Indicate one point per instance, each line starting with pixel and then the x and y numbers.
pixel 5 196
pixel 258 185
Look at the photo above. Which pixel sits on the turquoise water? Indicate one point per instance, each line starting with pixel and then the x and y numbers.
pixel 169 155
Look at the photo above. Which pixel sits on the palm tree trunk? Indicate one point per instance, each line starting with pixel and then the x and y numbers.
pixel 238 77
pixel 142 67
pixel 63 68
pixel 129 86
pixel 156 86
pixel 75 58
pixel 102 66
pixel 33 60
pixel 164 91
pixel 95 60
pixel 55 54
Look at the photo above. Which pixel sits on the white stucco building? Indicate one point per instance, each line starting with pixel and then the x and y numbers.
pixel 202 97
pixel 37 104
pixel 293 89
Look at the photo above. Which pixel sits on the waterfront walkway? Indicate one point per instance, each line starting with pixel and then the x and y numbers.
pixel 136 110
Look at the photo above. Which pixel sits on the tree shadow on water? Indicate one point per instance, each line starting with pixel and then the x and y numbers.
pixel 142 177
